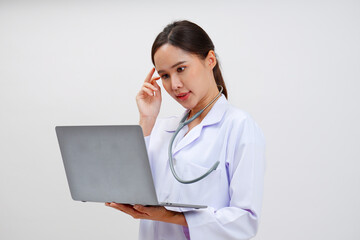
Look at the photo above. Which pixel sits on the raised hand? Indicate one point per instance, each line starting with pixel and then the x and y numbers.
pixel 148 101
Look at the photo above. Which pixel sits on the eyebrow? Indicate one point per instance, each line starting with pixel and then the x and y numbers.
pixel 178 63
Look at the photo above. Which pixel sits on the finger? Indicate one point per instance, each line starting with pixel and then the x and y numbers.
pixel 148 91
pixel 128 209
pixel 119 207
pixel 122 207
pixel 157 85
pixel 149 85
pixel 154 79
pixel 159 90
pixel 148 210
pixel 142 209
pixel 148 77
pixel 131 210
pixel 113 206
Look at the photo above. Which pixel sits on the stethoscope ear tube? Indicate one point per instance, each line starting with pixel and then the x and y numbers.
pixel 182 124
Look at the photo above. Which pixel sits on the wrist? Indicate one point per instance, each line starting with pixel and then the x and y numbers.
pixel 179 218
pixel 147 124
pixel 147 118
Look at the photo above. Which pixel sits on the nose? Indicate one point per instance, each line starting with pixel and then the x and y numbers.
pixel 176 82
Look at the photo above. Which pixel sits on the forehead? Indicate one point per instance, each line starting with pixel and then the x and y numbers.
pixel 167 55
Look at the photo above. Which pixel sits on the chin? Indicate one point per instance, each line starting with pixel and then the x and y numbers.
pixel 184 105
pixel 188 104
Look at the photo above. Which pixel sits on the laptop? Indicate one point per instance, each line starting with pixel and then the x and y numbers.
pixel 109 164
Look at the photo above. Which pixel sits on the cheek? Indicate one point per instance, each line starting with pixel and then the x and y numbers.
pixel 167 86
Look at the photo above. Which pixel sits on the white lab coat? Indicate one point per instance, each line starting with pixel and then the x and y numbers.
pixel 233 192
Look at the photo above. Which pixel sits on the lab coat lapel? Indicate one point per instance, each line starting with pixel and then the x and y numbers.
pixel 188 138
pixel 172 124
pixel 213 117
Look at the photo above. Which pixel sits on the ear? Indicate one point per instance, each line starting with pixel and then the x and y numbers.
pixel 211 59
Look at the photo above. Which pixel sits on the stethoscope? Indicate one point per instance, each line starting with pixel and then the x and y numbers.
pixel 182 124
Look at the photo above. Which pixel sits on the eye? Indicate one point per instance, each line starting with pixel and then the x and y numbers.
pixel 165 76
pixel 180 69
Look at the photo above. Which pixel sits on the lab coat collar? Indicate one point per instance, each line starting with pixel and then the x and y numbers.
pixel 214 115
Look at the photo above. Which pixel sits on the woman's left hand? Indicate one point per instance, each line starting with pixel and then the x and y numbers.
pixel 151 213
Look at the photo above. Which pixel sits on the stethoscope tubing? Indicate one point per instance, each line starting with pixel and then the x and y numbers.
pixel 182 124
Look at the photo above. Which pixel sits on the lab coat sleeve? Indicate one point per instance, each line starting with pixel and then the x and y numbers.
pixel 245 166
pixel 147 141
pixel 147 138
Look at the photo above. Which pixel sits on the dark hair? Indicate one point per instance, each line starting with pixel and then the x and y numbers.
pixel 189 37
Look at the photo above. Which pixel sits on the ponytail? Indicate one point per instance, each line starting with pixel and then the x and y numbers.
pixel 219 79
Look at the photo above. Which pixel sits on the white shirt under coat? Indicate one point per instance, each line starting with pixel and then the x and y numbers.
pixel 233 192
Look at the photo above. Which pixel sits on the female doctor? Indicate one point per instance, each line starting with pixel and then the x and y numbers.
pixel 184 57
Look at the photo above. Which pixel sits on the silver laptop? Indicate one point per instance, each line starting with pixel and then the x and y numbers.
pixel 109 164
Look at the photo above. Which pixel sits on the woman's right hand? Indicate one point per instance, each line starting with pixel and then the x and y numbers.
pixel 148 104
pixel 148 101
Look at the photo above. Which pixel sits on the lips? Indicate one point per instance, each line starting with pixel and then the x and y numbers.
pixel 183 96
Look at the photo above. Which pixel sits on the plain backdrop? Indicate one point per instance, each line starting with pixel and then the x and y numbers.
pixel 293 65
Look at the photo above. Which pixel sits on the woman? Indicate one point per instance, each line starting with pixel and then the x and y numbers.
pixel 184 57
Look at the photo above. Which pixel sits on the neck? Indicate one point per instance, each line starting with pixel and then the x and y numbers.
pixel 203 103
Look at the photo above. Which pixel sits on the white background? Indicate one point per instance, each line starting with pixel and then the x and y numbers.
pixel 293 65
